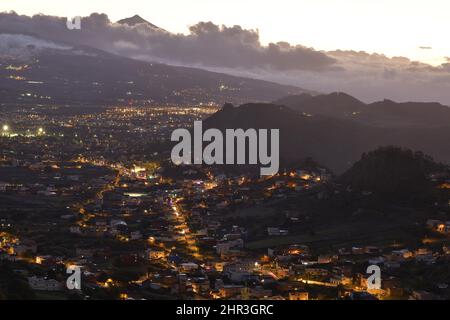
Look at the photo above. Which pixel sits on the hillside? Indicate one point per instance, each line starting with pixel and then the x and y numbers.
pixel 35 71
pixel 334 143
pixel 384 113
pixel 393 172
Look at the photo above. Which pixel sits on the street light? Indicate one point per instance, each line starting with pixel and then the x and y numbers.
pixel 5 127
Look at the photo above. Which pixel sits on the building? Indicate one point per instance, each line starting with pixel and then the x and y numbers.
pixel 225 247
pixel 188 266
pixel 151 254
pixel 44 284
pixel 298 295
pixel 229 291
pixel 272 231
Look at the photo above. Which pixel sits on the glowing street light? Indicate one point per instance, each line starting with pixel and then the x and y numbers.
pixel 5 127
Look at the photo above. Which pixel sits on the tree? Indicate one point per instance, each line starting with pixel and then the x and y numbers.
pixel 393 172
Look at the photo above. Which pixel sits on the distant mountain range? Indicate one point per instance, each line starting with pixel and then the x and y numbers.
pixel 334 129
pixel 34 70
pixel 385 113
pixel 335 143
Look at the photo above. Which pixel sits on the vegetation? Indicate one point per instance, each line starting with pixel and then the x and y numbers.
pixel 13 286
pixel 393 172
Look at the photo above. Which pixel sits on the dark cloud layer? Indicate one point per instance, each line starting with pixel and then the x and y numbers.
pixel 207 44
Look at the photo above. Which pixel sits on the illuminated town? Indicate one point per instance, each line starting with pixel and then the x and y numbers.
pixel 96 193
pixel 95 206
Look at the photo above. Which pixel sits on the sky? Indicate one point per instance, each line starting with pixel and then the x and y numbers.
pixel 414 29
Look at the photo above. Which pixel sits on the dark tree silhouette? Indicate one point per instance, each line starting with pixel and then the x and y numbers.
pixel 393 172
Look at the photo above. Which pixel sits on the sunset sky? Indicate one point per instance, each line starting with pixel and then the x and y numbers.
pixel 414 29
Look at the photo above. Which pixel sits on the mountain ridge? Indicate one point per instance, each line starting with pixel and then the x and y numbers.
pixel 335 143
pixel 385 113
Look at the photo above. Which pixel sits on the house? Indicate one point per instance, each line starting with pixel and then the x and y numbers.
pixel 392 286
pixel 304 174
pixel 377 260
pixel 341 280
pixel 392 265
pixel 188 266
pixel 443 227
pixel 152 254
pixel 426 258
pixel 213 225
pixel 44 284
pixel 345 269
pixel 423 251
pixel 80 252
pixel 272 231
pixel 273 298
pixel 116 223
pixel 361 296
pixel 395 292
pixel 316 272
pixel 421 295
pixel 438 226
pixel 232 236
pixel 446 249
pixel 399 255
pixel 358 250
pixel 325 259
pixel 26 246
pixel 259 293
pixel 226 246
pixel 7 257
pixel 241 276
pixel 229 291
pixel 136 235
pixel 243 265
pixel 372 250
pixel 298 295
pixel 75 230
pixel 101 226
pixel 199 284
pixel 240 271
pixel 344 251
pixel 432 223
pixel 218 266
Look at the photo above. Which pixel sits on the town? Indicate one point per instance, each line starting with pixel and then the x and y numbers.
pixel 96 189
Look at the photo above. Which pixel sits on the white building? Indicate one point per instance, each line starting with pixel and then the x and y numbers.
pixel 44 284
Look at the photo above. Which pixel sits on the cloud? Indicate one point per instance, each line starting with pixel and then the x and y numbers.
pixel 373 77
pixel 238 51
pixel 206 45
pixel 369 77
pixel 234 47
pixel 23 46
